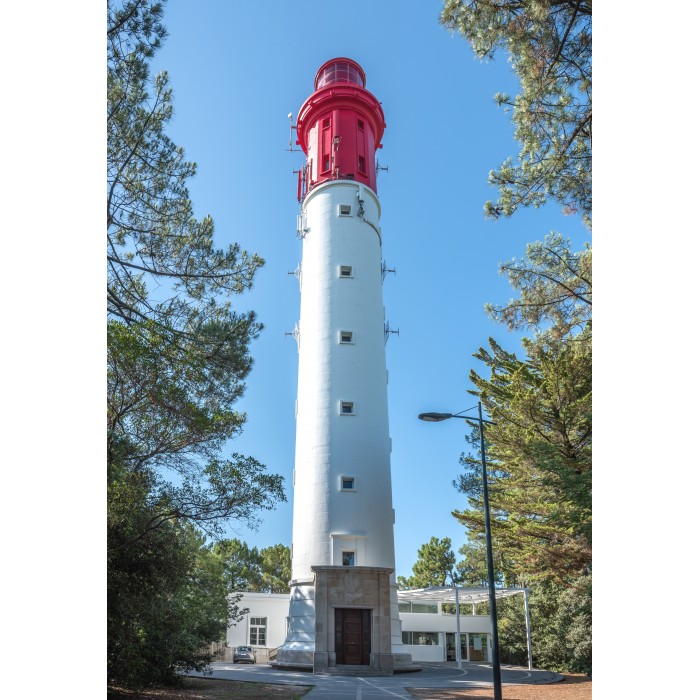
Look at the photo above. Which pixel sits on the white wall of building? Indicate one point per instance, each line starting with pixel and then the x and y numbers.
pixel 425 622
pixel 423 652
pixel 274 607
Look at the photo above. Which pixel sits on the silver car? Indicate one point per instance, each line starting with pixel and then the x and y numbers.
pixel 244 655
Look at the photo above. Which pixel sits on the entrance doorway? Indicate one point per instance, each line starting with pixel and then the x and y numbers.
pixel 450 651
pixel 353 636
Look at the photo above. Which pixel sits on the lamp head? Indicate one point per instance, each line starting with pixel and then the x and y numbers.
pixel 434 417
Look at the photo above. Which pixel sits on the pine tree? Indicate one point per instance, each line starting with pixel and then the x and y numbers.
pixel 435 565
pixel 178 356
pixel 549 45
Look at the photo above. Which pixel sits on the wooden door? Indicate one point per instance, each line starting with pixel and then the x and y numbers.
pixel 353 635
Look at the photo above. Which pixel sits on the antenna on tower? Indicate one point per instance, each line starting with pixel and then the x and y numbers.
pixel 388 331
pixel 386 269
pixel 291 149
pixel 379 168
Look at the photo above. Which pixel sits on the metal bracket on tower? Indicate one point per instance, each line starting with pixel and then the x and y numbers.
pixel 295 334
pixel 386 269
pixel 291 128
pixel 297 273
pixel 301 229
pixel 361 207
pixel 379 168
pixel 388 331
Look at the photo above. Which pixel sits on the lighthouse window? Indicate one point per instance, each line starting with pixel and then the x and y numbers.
pixel 361 164
pixel 347 408
pixel 348 558
pixel 325 145
pixel 347 483
pixel 344 210
pixel 346 270
pixel 346 336
pixel 360 125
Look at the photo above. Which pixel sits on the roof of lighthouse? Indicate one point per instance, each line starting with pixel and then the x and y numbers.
pixel 445 594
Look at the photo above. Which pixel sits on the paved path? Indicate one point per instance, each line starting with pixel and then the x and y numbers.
pixel 446 675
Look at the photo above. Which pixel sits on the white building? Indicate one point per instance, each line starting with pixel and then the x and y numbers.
pixel 428 632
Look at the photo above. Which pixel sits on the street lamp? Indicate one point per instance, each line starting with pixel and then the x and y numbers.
pixel 436 418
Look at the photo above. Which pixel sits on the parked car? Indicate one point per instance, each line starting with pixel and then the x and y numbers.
pixel 244 655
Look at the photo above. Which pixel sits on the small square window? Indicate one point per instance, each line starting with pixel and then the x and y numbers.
pixel 346 270
pixel 348 558
pixel 344 210
pixel 347 483
pixel 346 336
pixel 347 408
pixel 326 123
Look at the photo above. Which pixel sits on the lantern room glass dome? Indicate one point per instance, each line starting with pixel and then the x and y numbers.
pixel 339 70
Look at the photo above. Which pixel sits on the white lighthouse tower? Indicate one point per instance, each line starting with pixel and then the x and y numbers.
pixel 343 607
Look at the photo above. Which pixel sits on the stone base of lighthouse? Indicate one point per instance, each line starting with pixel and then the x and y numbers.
pixel 344 621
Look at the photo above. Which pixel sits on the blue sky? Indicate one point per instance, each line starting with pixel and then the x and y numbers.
pixel 237 70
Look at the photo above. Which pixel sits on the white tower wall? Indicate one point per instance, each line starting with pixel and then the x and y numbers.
pixel 327 519
pixel 331 445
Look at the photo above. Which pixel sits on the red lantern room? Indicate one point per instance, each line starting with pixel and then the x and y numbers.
pixel 339 127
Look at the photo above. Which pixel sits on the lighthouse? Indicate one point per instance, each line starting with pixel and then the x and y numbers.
pixel 343 610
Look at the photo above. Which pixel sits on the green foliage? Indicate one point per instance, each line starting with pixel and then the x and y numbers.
pixel 172 418
pixel 153 239
pixel 276 568
pixel 549 45
pixel 434 566
pixel 267 570
pixel 167 595
pixel 560 624
pixel 472 569
pixel 555 288
pixel 539 452
pixel 178 355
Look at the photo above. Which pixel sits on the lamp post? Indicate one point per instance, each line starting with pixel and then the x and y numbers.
pixel 436 418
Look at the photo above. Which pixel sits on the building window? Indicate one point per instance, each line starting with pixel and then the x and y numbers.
pixel 348 558
pixel 478 647
pixel 347 483
pixel 347 408
pixel 360 125
pixel 344 210
pixel 408 606
pixel 361 164
pixel 326 163
pixel 258 631
pixel 345 271
pixel 420 638
pixel 346 336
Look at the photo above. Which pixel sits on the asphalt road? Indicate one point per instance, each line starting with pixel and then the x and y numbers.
pixel 471 675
